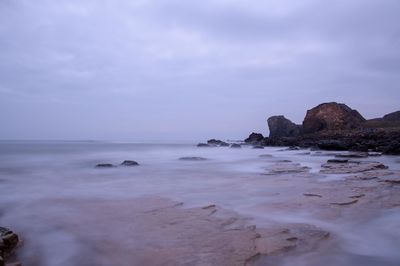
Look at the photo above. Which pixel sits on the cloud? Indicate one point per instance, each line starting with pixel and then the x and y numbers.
pixel 227 64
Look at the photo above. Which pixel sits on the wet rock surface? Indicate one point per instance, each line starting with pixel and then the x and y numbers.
pixel 286 168
pixel 8 242
pixel 351 167
pixel 174 235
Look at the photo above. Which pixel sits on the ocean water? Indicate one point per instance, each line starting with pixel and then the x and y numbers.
pixel 35 176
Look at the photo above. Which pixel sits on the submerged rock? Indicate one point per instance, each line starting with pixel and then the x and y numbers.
pixel 331 116
pixel 352 155
pixel 129 163
pixel 104 165
pixel 192 159
pixel 217 142
pixel 236 146
pixel 204 145
pixel 258 147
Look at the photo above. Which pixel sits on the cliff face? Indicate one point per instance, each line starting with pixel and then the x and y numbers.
pixel 331 116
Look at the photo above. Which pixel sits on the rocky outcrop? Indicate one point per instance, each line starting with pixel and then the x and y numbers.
pixel 217 142
pixel 254 138
pixel 331 116
pixel 8 242
pixel 392 117
pixel 279 126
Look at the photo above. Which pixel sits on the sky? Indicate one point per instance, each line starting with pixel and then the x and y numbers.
pixel 169 70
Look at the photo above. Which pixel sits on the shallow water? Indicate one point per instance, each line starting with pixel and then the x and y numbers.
pixel 34 176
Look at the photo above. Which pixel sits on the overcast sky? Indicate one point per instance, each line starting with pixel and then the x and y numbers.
pixel 182 70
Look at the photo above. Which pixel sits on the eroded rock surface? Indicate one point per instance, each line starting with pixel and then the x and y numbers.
pixel 331 116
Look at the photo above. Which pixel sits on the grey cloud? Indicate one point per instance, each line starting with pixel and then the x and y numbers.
pixel 190 69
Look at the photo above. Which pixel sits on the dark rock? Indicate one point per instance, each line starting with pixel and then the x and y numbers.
pixel 217 142
pixel 129 163
pixel 331 116
pixel 337 161
pixel 279 127
pixel 203 145
pixel 393 117
pixel 254 138
pixel 312 195
pixel 344 203
pixel 104 165
pixel 333 145
pixel 236 146
pixel 192 159
pixel 8 241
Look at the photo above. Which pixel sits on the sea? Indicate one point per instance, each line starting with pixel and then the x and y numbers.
pixel 36 174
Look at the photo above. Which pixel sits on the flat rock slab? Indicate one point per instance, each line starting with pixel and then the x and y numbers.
pixel 156 231
pixel 351 167
pixel 279 239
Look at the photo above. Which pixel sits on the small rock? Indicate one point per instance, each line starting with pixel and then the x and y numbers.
pixel 344 203
pixel 357 196
pixel 312 195
pixel 129 163
pixel 104 165
pixel 337 161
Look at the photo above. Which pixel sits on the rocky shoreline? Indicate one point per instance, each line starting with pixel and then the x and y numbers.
pixel 334 126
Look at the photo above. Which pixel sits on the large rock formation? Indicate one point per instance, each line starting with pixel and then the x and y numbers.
pixel 279 126
pixel 331 116
pixel 393 117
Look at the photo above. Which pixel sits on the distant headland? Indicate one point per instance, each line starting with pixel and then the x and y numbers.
pixel 334 126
